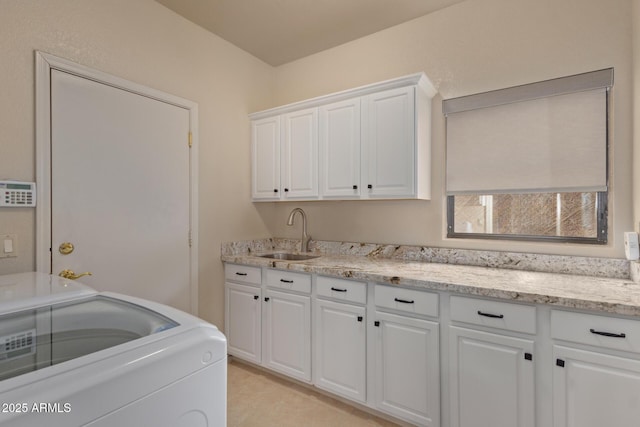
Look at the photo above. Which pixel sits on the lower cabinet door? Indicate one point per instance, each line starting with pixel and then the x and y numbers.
pixel 492 380
pixel 243 317
pixel 592 389
pixel 340 349
pixel 407 368
pixel 287 334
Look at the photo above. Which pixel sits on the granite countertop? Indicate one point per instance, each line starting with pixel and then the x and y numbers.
pixel 611 295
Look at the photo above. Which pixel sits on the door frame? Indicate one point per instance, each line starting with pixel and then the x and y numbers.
pixel 44 64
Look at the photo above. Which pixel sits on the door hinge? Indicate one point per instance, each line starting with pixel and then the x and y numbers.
pixel 190 139
pixel 190 239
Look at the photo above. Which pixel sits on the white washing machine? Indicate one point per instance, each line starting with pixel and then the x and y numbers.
pixel 71 356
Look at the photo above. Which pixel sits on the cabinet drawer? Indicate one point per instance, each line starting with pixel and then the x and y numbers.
pixel 408 300
pixel 495 314
pixel 282 279
pixel 341 289
pixel 243 274
pixel 601 331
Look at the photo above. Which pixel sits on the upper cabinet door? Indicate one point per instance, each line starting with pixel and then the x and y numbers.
pixel 340 149
pixel 265 158
pixel 389 149
pixel 300 154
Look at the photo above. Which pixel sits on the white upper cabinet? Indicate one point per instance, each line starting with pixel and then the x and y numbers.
pixel 371 142
pixel 340 149
pixel 390 150
pixel 265 156
pixel 396 143
pixel 299 165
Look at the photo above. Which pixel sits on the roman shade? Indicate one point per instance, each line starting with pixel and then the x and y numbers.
pixel 549 136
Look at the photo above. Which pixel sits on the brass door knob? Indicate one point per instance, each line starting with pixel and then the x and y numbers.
pixel 69 274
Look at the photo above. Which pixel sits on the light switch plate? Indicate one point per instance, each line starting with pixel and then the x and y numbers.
pixel 8 248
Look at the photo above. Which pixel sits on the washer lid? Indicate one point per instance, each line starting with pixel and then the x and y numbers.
pixel 44 336
pixel 28 290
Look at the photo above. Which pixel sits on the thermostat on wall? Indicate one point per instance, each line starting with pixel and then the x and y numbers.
pixel 17 194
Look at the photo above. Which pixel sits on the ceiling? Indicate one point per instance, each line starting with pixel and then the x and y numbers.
pixel 281 31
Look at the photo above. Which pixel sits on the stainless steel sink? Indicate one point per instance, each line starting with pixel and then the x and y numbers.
pixel 289 256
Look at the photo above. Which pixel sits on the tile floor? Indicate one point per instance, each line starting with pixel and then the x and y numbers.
pixel 257 398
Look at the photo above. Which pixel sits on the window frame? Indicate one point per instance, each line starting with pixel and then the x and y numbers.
pixel 601 217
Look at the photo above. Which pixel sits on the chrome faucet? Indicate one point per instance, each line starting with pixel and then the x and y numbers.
pixel 304 242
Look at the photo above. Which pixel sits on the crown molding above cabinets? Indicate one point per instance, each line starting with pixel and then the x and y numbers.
pixel 371 142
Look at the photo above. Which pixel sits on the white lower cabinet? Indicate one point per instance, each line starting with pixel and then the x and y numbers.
pixel 491 379
pixel 504 364
pixel 243 312
pixel 595 384
pixel 287 334
pixel 592 389
pixel 243 322
pixel 407 368
pixel 491 372
pixel 340 346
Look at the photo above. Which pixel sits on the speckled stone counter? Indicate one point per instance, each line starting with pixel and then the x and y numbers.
pixel 598 284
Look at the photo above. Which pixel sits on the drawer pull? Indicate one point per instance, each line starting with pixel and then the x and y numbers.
pixel 404 301
pixel 286 281
pixel 338 289
pixel 608 334
pixel 493 316
pixel 240 274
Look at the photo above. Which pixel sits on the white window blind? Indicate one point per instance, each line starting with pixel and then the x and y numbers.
pixel 544 137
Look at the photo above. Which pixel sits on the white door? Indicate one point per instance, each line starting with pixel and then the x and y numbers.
pixel 492 380
pixel 593 389
pixel 121 190
pixel 407 365
pixel 340 348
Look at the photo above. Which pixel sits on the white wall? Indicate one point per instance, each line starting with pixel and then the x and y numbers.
pixel 471 47
pixel 144 42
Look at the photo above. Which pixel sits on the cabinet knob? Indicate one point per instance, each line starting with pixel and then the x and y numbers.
pixel 256 296
pixel 355 187
pixel 359 318
pixel 369 186
pixel 376 323
pixel 266 299
pixel 275 190
pixel 286 190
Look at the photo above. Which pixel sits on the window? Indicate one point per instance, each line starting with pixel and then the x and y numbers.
pixel 530 162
